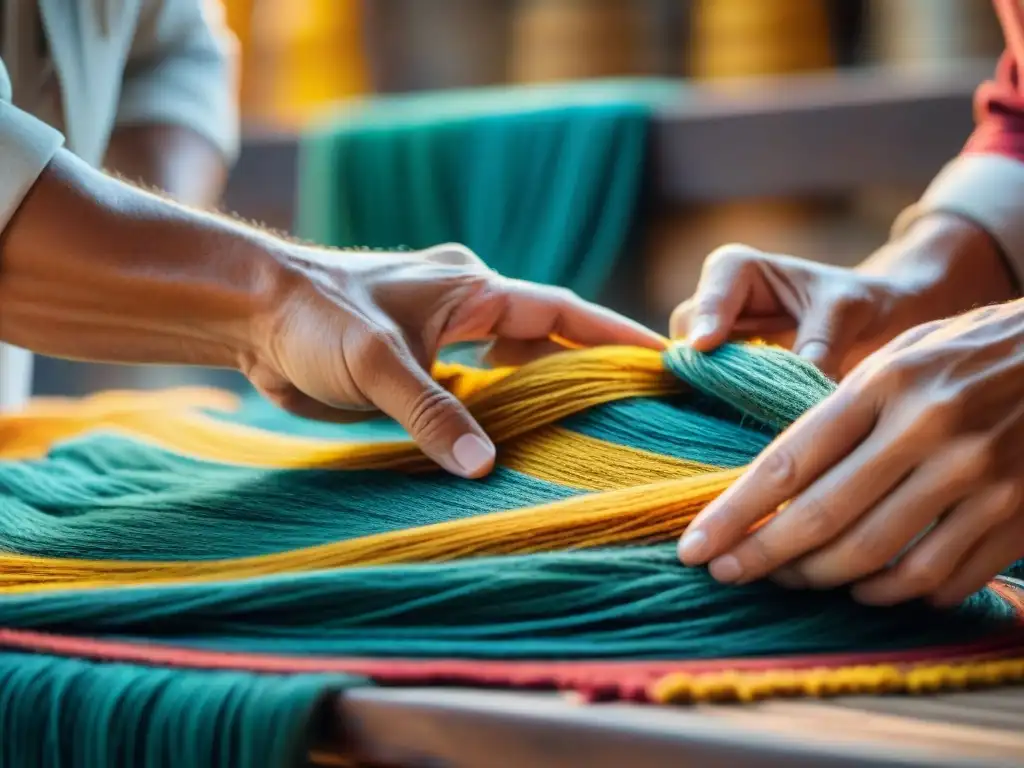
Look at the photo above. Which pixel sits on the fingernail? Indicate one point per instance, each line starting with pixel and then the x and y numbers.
pixel 726 569
pixel 473 454
pixel 692 546
pixel 702 327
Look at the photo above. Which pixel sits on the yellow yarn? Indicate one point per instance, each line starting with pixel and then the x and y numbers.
pixel 862 679
pixel 648 513
pixel 509 403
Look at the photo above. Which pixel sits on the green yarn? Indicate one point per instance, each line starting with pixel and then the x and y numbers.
pixel 621 602
pixel 107 496
pixel 540 182
pixel 69 713
pixel 766 384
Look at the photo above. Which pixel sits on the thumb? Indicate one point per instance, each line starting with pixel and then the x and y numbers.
pixel 707 319
pixel 440 424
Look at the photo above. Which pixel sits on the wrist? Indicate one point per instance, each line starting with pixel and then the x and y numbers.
pixel 93 268
pixel 949 260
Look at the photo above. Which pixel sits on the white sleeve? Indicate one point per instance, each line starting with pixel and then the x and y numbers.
pixel 183 69
pixel 986 189
pixel 26 147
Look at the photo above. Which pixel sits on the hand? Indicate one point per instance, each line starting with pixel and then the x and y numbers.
pixel 833 316
pixel 356 332
pixel 909 479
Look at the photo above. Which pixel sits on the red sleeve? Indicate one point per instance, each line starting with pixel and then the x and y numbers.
pixel 999 103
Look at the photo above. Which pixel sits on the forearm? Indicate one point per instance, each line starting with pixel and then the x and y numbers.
pixel 93 268
pixel 985 184
pixel 172 158
pixel 952 260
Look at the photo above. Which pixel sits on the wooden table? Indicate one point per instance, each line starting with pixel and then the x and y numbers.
pixel 447 727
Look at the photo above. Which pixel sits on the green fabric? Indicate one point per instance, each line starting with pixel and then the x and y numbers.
pixel 541 183
pixel 58 712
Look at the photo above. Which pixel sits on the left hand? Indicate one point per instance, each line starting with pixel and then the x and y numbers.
pixel 908 480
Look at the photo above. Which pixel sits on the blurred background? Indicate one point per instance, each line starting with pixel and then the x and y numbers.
pixel 608 145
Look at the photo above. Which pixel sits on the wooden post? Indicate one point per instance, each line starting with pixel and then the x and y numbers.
pixel 737 39
pixel 305 54
pixel 555 40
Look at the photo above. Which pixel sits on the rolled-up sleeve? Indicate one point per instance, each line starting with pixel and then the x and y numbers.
pixel 183 70
pixel 27 146
pixel 985 183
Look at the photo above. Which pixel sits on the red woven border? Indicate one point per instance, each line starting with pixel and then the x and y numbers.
pixel 595 679
pixel 599 679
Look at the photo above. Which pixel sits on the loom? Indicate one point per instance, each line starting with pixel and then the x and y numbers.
pixel 187 576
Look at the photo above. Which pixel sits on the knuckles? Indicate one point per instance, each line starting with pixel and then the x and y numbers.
pixel 779 468
pixel 849 302
pixel 730 254
pixel 918 576
pixel 820 521
pixel 453 254
pixel 426 420
pixel 977 458
pixel 373 343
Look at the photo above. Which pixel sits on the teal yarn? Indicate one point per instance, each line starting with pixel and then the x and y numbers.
pixel 541 182
pixel 70 713
pixel 612 603
pixel 106 496
pixel 769 385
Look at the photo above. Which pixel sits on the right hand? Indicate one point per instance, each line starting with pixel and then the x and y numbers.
pixel 350 335
pixel 834 316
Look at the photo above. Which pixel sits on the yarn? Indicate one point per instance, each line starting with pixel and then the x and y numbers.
pixel 67 712
pixel 620 603
pixel 170 526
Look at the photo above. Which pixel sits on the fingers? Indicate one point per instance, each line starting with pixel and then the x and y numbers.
pixel 305 407
pixel 796 460
pixel 931 563
pixel 395 382
pixel 510 352
pixel 999 550
pixel 534 312
pixel 897 521
pixel 708 319
pixel 453 254
pixel 828 331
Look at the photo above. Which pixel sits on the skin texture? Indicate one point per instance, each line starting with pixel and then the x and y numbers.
pixel 834 316
pixel 908 482
pixel 131 277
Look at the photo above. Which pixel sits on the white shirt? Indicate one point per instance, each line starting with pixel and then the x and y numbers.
pixel 114 62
